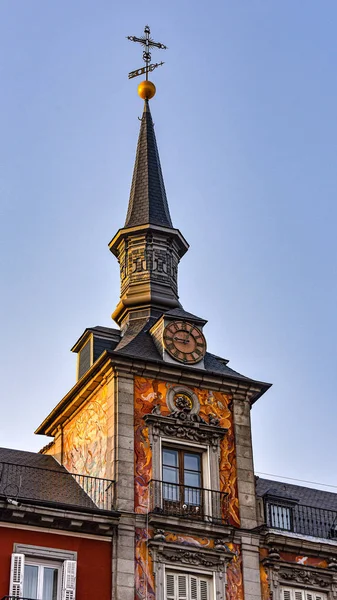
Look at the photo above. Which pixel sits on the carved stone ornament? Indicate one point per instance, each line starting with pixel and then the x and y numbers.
pixel 332 564
pixel 273 558
pixel 305 577
pixel 181 400
pixel 182 556
pixel 184 430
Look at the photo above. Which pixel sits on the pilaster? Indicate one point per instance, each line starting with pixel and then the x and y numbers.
pixel 244 458
pixel 123 567
pixel 251 566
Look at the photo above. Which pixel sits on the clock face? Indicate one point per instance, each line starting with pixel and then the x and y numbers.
pixel 184 342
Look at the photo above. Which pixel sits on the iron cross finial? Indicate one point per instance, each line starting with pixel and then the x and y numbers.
pixel 147 42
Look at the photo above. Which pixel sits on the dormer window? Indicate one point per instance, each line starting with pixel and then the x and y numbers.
pixel 85 358
pixel 92 344
pixel 279 511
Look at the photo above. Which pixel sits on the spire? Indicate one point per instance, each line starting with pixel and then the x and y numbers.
pixel 148 202
pixel 148 248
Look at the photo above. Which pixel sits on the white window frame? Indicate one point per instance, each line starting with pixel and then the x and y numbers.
pixel 64 560
pixel 41 564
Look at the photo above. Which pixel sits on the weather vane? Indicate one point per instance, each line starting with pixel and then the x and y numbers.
pixel 146 89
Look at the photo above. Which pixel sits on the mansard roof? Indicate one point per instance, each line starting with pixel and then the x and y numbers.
pixel 304 495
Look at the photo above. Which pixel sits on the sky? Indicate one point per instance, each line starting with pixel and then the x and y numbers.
pixel 245 119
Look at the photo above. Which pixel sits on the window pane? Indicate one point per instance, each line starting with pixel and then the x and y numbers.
pixel 192 462
pixel 30 581
pixel 170 475
pixel 170 457
pixel 192 478
pixel 192 496
pixel 171 492
pixel 49 584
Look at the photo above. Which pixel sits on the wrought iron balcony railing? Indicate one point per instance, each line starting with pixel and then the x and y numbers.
pixel 15 598
pixel 305 520
pixel 188 502
pixel 54 487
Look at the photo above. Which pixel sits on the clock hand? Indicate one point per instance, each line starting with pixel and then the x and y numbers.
pixel 182 340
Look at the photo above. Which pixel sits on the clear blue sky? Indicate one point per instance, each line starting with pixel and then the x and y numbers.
pixel 245 117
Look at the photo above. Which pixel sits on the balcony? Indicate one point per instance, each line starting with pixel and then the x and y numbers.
pixel 301 519
pixel 57 488
pixel 182 501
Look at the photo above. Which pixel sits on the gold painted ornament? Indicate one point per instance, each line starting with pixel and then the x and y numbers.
pixel 146 90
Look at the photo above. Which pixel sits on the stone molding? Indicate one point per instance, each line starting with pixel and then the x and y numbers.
pixel 171 554
pixel 304 577
pixel 281 573
pixel 184 430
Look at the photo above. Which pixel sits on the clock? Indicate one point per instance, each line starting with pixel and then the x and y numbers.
pixel 184 342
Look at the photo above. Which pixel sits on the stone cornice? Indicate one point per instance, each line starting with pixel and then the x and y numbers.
pixel 65 519
pixel 288 543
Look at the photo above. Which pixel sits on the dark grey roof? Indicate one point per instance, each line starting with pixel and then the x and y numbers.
pixel 148 202
pixel 30 476
pixel 183 314
pixel 137 342
pixel 98 331
pixel 305 496
pixel 110 331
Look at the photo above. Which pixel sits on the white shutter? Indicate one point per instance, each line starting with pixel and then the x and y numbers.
pixel 286 594
pixel 17 569
pixel 182 587
pixel 193 588
pixel 299 595
pixel 69 580
pixel 204 589
pixel 170 587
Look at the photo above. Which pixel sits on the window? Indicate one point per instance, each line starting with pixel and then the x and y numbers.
pixel 288 593
pixel 180 586
pixel 182 479
pixel 280 516
pixel 42 579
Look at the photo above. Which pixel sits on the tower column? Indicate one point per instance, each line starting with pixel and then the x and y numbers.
pixel 123 567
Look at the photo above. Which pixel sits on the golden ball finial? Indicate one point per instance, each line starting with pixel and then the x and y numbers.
pixel 146 90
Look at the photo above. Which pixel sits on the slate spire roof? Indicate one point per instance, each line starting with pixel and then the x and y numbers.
pixel 148 202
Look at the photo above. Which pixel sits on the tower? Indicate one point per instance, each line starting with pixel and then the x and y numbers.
pixel 164 418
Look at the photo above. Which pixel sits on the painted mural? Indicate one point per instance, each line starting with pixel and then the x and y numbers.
pixel 234 586
pixel 189 540
pixel 144 578
pixel 151 392
pixel 289 557
pixel 86 436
